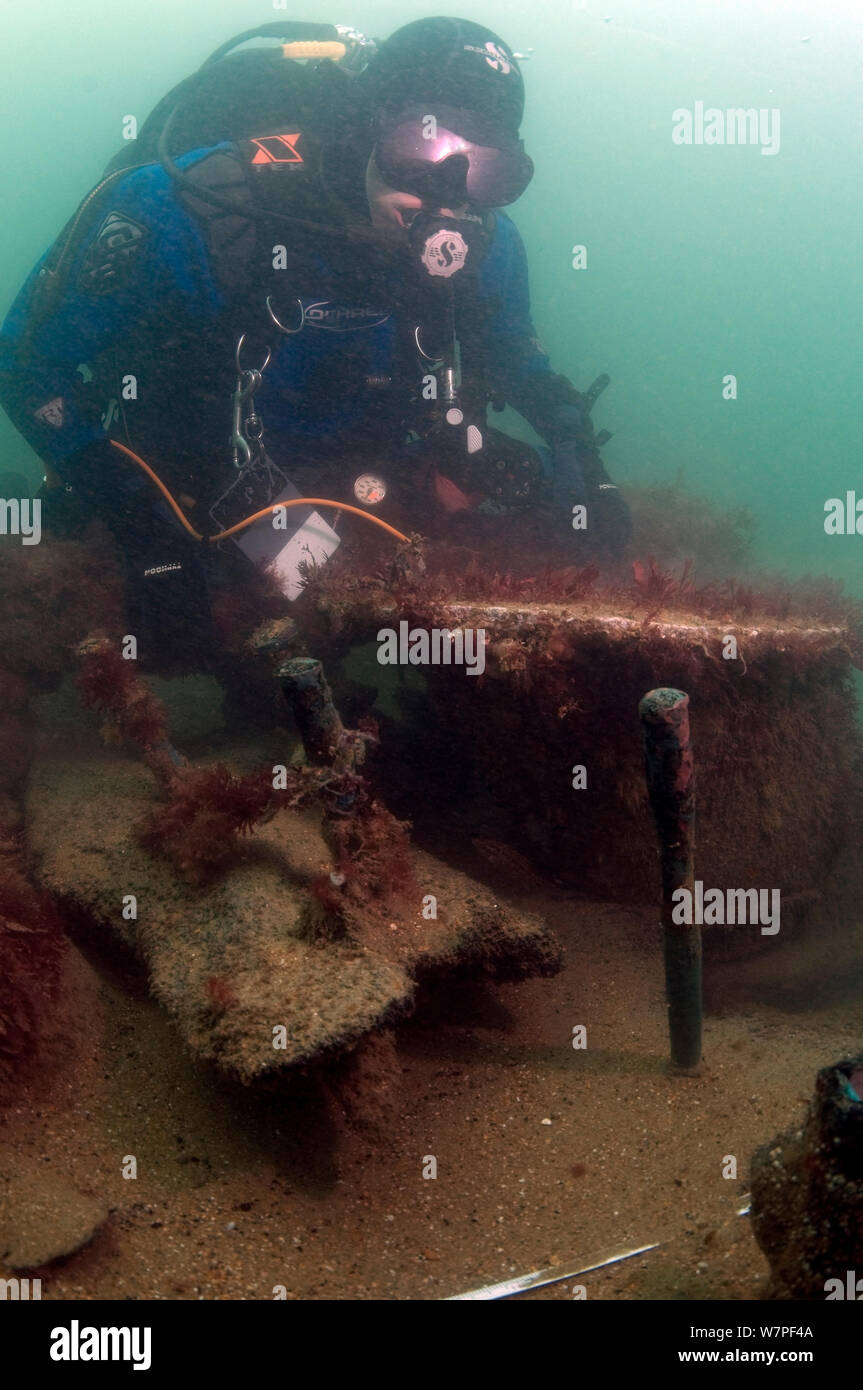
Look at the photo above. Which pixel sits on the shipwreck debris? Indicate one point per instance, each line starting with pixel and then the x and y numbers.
pixel 807 1192
pixel 567 660
pixel 671 787
pixel 246 928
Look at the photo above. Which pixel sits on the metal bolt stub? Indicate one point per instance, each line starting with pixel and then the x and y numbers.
pixel 272 637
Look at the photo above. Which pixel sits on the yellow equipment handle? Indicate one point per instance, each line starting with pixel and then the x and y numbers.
pixel 302 49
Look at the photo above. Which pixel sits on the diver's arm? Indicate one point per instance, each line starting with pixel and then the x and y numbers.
pixel 140 261
pixel 519 368
pixel 520 373
pixel 141 266
pixel 42 378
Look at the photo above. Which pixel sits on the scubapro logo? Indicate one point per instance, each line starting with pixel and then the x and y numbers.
pixel 494 55
pixel 444 253
pixel 497 59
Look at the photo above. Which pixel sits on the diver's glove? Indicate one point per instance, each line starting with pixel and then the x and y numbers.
pixel 570 422
pixel 580 477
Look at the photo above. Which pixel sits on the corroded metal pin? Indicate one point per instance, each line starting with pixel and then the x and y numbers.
pixel 671 786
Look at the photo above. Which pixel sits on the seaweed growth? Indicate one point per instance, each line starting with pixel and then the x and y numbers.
pixel 766 597
pixel 372 871
pixel 209 809
pixel 657 588
pixel 372 853
pixel 108 682
pixel 476 580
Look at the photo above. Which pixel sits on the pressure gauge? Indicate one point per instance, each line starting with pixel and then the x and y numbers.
pixel 370 489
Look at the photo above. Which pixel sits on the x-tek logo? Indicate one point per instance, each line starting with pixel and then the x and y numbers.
pixel 277 149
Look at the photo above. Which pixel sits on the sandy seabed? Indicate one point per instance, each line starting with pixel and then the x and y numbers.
pixel 318 1185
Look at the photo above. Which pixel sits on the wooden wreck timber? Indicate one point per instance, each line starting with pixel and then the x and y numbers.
pixel 773 725
pixel 245 962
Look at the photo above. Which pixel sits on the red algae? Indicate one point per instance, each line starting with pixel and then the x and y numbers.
pixel 199 827
pixel 110 683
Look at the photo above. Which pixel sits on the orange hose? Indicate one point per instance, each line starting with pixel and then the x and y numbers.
pixel 308 502
pixel 161 486
pixel 266 511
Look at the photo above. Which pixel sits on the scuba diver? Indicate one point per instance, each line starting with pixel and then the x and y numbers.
pixel 296 281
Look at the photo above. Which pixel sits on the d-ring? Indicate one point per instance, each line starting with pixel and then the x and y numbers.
pixel 278 323
pixel 434 362
pixel 246 371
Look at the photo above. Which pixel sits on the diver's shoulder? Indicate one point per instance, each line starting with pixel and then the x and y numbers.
pixel 217 167
pixel 504 230
pixel 506 252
